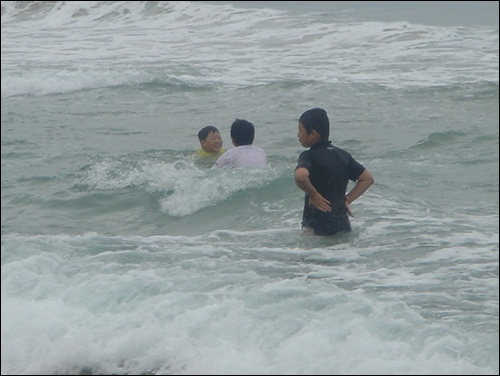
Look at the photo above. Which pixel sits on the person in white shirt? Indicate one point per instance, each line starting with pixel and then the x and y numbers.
pixel 244 153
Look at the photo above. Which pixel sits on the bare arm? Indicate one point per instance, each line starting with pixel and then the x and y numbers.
pixel 364 181
pixel 302 180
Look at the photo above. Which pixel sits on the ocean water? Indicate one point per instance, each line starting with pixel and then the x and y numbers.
pixel 121 254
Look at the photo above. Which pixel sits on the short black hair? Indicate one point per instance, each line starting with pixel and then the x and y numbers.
pixel 242 132
pixel 317 119
pixel 205 131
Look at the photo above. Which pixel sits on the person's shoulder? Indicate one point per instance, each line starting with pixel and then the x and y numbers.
pixel 255 147
pixel 200 153
pixel 339 150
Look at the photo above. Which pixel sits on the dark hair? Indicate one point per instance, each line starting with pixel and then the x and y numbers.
pixel 317 119
pixel 242 132
pixel 205 131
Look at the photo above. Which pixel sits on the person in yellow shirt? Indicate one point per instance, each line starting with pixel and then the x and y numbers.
pixel 210 142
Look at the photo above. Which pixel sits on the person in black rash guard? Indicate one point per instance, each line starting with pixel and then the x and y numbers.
pixel 323 173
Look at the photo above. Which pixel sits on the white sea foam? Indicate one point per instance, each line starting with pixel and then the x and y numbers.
pixel 204 305
pixel 186 188
pixel 123 43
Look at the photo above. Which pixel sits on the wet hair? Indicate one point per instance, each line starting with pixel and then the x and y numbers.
pixel 316 119
pixel 242 132
pixel 205 131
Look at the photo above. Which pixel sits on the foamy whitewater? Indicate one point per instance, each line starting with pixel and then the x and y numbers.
pixel 122 254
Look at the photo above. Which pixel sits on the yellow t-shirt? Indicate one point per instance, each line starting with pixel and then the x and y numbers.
pixel 203 154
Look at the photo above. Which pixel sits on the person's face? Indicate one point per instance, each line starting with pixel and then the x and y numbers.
pixel 305 139
pixel 213 143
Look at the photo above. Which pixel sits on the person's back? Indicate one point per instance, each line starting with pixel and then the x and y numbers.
pixel 244 153
pixel 323 173
pixel 330 169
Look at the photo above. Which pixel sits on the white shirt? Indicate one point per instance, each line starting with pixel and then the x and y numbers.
pixel 242 156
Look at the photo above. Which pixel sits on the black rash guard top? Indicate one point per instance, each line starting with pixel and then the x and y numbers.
pixel 330 169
